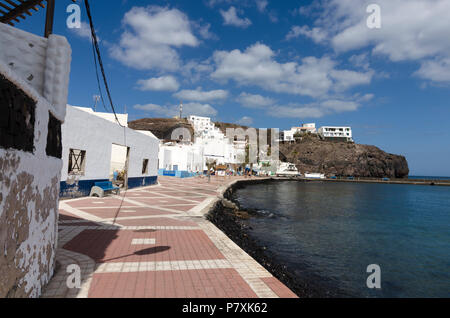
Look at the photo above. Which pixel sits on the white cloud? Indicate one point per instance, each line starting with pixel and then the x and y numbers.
pixel 230 17
pixel 320 108
pixel 163 83
pixel 295 112
pixel 414 30
pixel 194 71
pixel 314 77
pixel 261 5
pixel 189 109
pixel 205 32
pixel 84 31
pixel 318 35
pixel 151 37
pixel 245 121
pixel 435 70
pixel 202 96
pixel 255 101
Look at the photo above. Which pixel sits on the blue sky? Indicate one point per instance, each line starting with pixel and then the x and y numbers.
pixel 277 64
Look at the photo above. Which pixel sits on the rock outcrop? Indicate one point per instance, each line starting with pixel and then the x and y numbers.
pixel 167 129
pixel 343 159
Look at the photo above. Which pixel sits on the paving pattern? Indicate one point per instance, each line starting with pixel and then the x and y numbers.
pixel 154 242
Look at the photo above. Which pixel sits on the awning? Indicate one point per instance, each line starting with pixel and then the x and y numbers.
pixel 11 11
pixel 15 11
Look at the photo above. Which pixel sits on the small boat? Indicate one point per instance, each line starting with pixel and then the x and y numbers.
pixel 314 176
pixel 287 169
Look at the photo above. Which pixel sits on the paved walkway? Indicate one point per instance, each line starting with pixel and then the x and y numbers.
pixel 155 242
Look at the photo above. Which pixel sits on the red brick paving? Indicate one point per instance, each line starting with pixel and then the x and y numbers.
pixel 155 222
pixel 89 202
pixel 114 245
pixel 108 213
pixel 210 283
pixel 279 289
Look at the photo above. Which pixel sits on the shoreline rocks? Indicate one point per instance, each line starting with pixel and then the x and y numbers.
pixel 231 220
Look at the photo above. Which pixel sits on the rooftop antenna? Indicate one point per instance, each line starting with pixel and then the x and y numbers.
pixel 96 99
pixel 181 109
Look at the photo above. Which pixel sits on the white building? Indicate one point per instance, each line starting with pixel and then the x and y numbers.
pixel 93 147
pixel 336 133
pixel 311 128
pixel 202 125
pixel 181 159
pixel 215 144
pixel 34 77
pixel 289 135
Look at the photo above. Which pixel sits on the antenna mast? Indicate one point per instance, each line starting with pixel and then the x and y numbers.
pixel 181 109
pixel 96 99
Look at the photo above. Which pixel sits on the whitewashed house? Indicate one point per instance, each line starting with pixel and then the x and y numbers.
pixel 216 145
pixel 34 77
pixel 289 135
pixel 94 145
pixel 336 133
pixel 180 160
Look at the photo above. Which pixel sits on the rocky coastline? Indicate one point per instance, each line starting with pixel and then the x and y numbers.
pixel 231 219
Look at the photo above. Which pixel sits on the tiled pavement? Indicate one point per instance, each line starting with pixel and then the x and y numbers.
pixel 155 242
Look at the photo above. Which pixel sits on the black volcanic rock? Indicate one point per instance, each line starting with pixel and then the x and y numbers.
pixel 312 154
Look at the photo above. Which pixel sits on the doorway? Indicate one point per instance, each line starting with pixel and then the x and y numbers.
pixel 118 172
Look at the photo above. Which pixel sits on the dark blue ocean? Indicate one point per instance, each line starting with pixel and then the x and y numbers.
pixel 328 233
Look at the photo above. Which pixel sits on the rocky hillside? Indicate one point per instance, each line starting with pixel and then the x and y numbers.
pixel 309 154
pixel 162 128
pixel 343 159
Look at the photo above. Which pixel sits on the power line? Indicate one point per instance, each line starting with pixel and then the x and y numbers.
pixel 97 55
pixel 100 62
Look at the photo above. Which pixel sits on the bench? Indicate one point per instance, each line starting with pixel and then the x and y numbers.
pixel 99 189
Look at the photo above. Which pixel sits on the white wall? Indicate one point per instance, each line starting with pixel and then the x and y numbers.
pixel 122 118
pixel 42 63
pixel 345 133
pixel 186 157
pixel 29 184
pixel 118 158
pixel 96 135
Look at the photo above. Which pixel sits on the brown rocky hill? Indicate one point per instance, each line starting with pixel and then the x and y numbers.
pixel 343 159
pixel 162 128
pixel 311 154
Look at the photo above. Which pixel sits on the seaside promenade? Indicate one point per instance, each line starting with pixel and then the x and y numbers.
pixel 154 242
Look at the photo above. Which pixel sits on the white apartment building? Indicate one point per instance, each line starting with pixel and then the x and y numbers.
pixel 289 135
pixel 311 128
pixel 336 133
pixel 201 125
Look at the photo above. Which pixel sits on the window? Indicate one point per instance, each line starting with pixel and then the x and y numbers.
pixel 145 166
pixel 77 162
pixel 54 146
pixel 17 117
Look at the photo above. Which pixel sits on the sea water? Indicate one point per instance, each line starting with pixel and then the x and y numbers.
pixel 329 233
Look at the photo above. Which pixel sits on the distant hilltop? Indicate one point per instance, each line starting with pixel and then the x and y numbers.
pixel 310 153
pixel 162 128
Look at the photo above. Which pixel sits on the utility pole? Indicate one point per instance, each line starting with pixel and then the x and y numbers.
pixel 181 109
pixel 96 99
